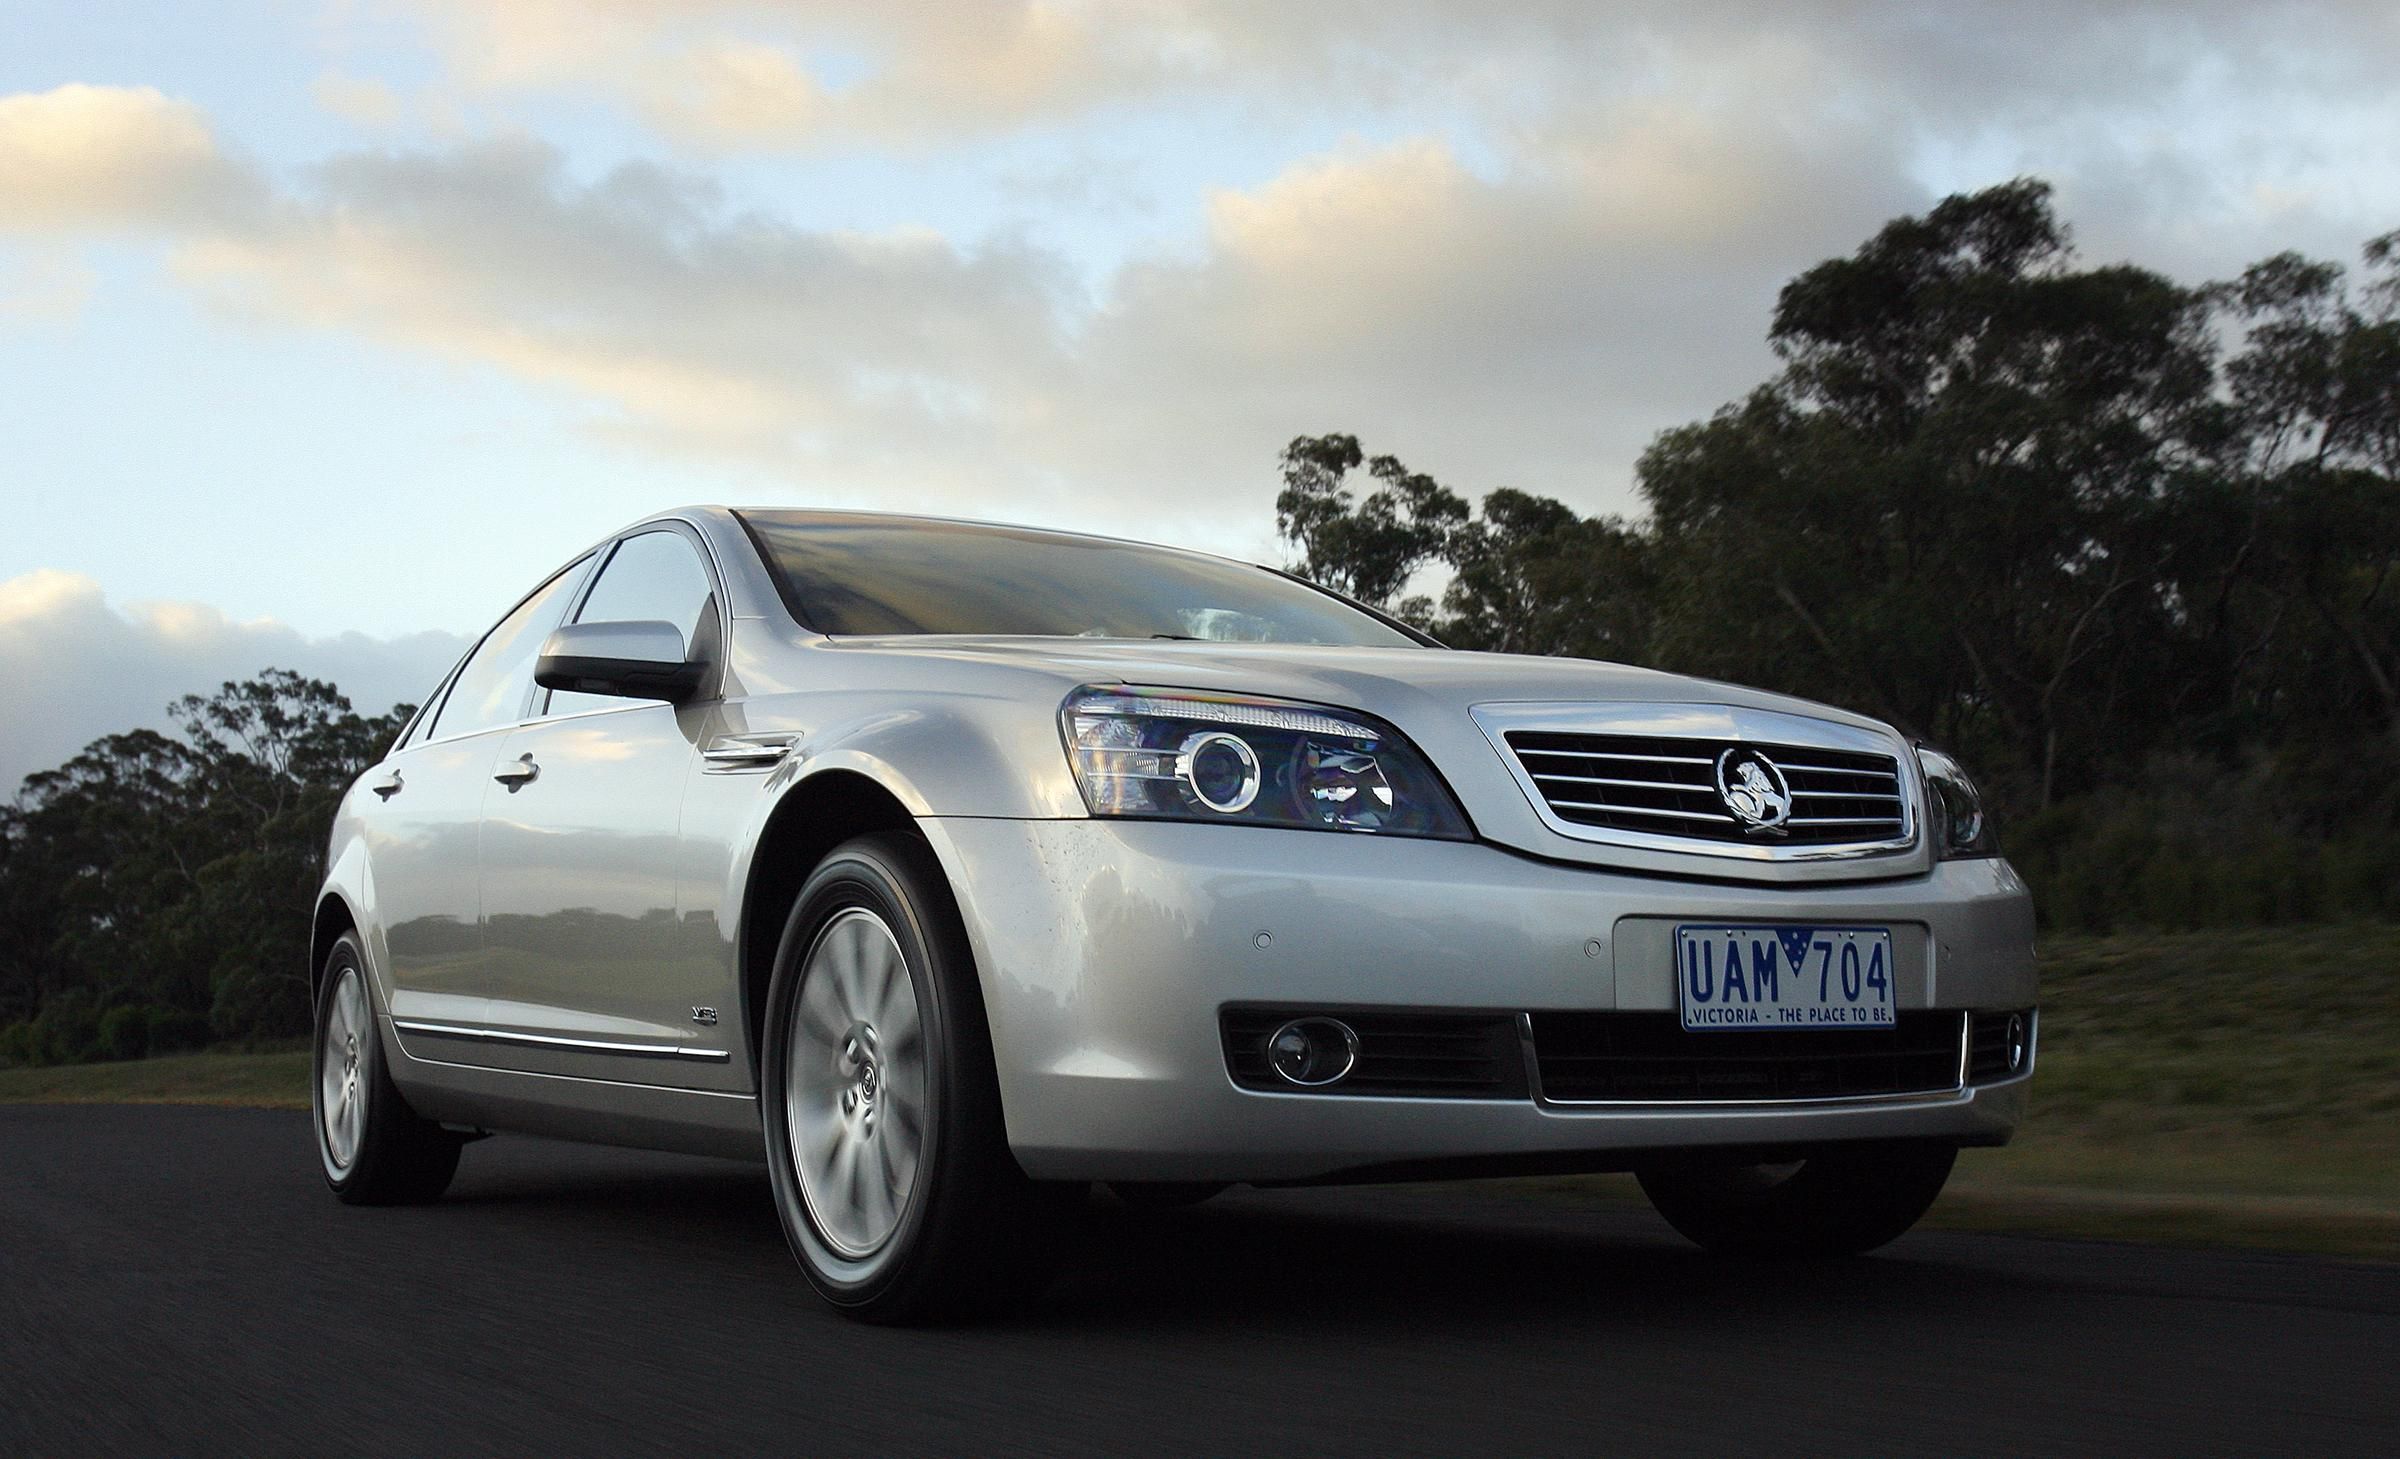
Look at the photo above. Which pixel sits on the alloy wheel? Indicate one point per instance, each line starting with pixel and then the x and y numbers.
pixel 855 1096
pixel 341 1086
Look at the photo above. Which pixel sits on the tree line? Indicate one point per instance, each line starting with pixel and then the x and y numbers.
pixel 2130 547
pixel 155 890
pixel 2127 546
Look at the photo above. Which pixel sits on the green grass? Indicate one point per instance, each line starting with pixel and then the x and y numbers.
pixel 276 1080
pixel 2219 1087
pixel 2215 1087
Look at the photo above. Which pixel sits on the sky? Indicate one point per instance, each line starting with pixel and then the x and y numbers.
pixel 328 326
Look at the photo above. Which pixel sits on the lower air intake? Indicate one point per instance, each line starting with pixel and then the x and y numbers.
pixel 1649 1058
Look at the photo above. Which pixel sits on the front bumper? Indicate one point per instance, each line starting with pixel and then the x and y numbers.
pixel 1107 949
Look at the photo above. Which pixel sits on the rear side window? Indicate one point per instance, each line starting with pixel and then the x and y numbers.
pixel 491 689
pixel 655 577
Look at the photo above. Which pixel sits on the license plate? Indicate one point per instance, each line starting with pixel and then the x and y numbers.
pixel 1753 976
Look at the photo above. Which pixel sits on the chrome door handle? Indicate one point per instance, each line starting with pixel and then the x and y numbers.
pixel 517 773
pixel 388 786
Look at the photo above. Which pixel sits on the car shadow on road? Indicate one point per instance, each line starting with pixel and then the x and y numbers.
pixel 1370 1257
pixel 1462 1258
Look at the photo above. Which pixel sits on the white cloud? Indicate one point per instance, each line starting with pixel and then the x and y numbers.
pixel 96 158
pixel 747 74
pixel 1533 327
pixel 79 667
pixel 1568 235
pixel 787 73
pixel 361 100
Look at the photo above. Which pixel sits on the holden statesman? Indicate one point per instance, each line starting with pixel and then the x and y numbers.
pixel 955 868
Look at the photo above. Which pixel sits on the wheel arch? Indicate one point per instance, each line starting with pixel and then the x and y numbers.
pixel 334 917
pixel 818 813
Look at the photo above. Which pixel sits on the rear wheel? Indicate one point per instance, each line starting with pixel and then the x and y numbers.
pixel 374 1149
pixel 1837 1203
pixel 885 1145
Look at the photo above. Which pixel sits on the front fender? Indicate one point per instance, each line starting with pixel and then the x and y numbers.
pixel 859 762
pixel 964 757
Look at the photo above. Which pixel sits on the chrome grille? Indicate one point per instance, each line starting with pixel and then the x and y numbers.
pixel 1666 786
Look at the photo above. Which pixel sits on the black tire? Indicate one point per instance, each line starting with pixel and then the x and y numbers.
pixel 1164 1195
pixel 969 1234
pixel 1837 1203
pixel 395 1158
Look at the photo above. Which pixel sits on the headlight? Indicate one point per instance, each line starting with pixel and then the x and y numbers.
pixel 1960 827
pixel 1188 756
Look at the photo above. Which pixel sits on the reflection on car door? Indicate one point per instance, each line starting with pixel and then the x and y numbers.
pixel 590 966
pixel 421 820
pixel 421 840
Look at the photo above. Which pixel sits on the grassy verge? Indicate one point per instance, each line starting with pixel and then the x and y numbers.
pixel 271 1080
pixel 2225 1087
pixel 2220 1089
pixel 2236 1088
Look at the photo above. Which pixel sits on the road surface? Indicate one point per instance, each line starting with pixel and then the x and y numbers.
pixel 177 1281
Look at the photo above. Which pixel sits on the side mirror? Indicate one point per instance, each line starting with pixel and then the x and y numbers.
pixel 639 660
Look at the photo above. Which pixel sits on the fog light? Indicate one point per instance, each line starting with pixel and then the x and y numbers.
pixel 1312 1051
pixel 2018 1046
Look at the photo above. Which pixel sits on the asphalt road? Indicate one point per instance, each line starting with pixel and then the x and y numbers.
pixel 177 1281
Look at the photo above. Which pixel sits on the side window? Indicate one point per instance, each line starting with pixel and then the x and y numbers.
pixel 655 577
pixel 490 690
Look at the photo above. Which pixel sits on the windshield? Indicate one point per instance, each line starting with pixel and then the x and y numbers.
pixel 864 574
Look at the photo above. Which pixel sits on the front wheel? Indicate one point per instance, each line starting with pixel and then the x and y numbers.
pixel 885 1146
pixel 1837 1203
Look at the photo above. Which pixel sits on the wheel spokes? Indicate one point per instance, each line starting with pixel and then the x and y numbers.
pixel 341 1099
pixel 855 1084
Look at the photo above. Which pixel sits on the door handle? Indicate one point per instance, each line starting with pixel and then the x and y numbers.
pixel 388 786
pixel 518 772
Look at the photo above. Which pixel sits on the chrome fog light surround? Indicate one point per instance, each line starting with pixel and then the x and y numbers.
pixel 1312 1052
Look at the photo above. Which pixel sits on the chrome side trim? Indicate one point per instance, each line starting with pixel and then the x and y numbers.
pixel 1701 722
pixel 669 1089
pixel 1959 1093
pixel 551 1041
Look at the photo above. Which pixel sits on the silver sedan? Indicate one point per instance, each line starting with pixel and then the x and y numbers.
pixel 955 868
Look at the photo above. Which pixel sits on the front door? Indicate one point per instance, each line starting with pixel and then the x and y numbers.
pixel 591 968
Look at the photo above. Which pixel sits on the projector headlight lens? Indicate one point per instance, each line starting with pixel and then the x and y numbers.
pixel 1181 754
pixel 1220 770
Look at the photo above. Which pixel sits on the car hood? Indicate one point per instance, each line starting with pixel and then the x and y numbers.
pixel 1388 682
pixel 1432 696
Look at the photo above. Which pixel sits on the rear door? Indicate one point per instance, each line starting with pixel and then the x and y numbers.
pixel 592 968
pixel 422 824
